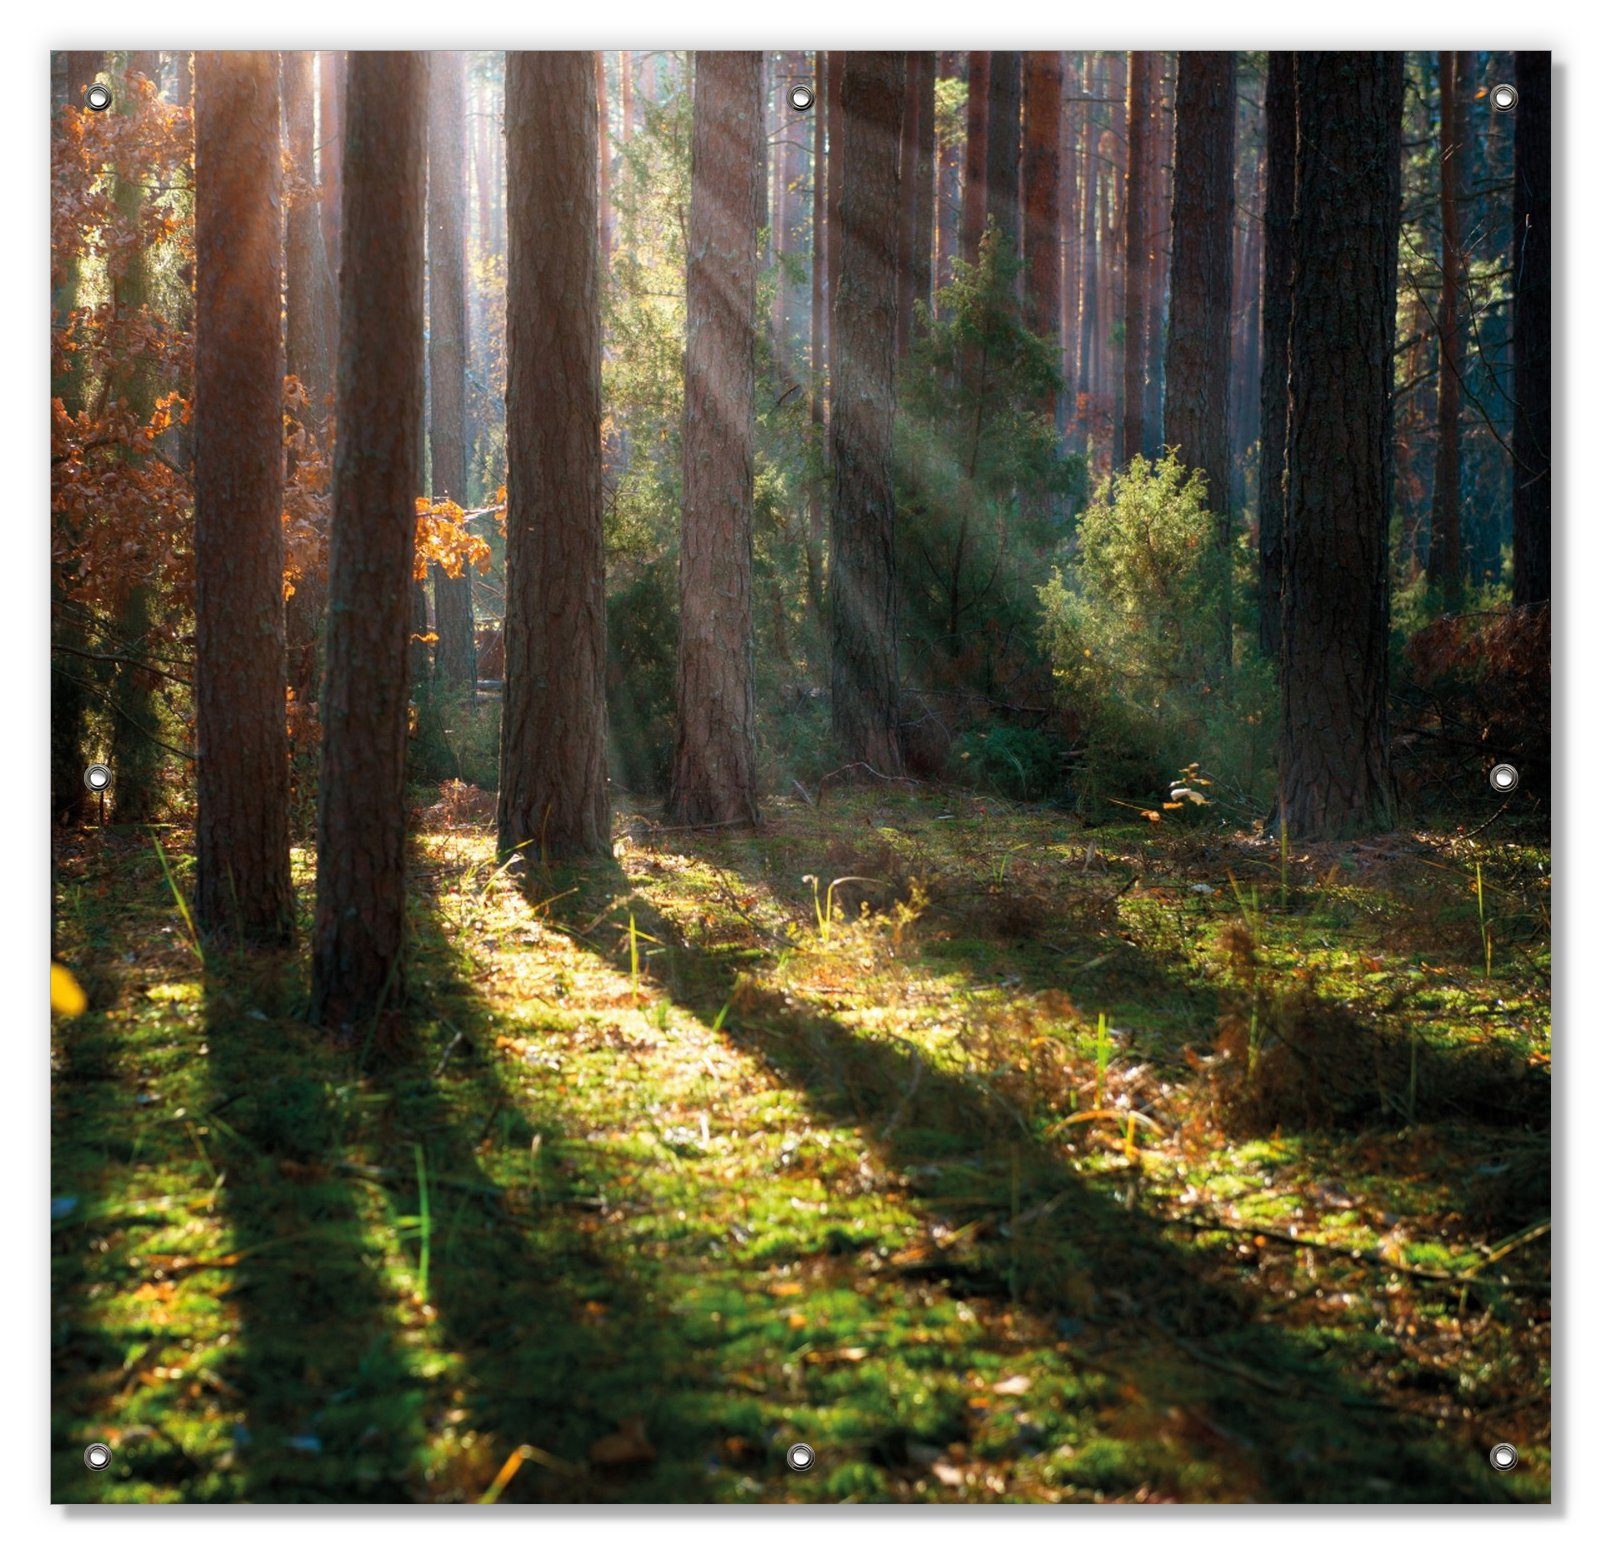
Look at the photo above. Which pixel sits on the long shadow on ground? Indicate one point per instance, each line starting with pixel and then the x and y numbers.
pixel 1221 1385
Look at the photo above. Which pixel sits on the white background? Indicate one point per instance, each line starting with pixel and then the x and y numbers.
pixel 29 1521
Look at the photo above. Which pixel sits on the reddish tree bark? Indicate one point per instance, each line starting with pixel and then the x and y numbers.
pixel 242 885
pixel 1003 139
pixel 974 160
pixel 1445 569
pixel 862 581
pixel 553 795
pixel 714 758
pixel 1279 197
pixel 1136 242
pixel 331 153
pixel 357 956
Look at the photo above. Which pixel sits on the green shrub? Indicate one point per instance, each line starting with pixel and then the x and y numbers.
pixel 1133 628
pixel 1026 764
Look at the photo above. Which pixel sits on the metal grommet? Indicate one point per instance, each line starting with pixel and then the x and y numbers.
pixel 97 778
pixel 98 97
pixel 1504 1456
pixel 1504 98
pixel 1504 777
pixel 801 97
pixel 97 1456
pixel 800 1457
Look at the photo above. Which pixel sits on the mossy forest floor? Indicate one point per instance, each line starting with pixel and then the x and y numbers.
pixel 995 1157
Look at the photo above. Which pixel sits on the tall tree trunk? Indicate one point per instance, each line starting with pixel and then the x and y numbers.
pixel 1445 569
pixel 553 795
pixel 1196 407
pixel 242 888
pixel 83 67
pixel 309 313
pixel 1532 329
pixel 310 334
pixel 1042 199
pixel 455 656
pixel 714 758
pixel 357 959
pixel 974 158
pixel 912 261
pixel 1159 235
pixel 1132 438
pixel 1278 203
pixel 604 137
pixel 948 191
pixel 831 226
pixel 1068 241
pixel 865 683
pixel 1003 132
pixel 1335 768
pixel 331 152
pixel 1089 265
pixel 820 308
pixel 625 77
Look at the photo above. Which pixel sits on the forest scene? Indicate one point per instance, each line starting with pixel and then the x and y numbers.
pixel 846 748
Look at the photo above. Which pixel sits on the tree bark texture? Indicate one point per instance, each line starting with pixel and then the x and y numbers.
pixel 1532 329
pixel 1278 204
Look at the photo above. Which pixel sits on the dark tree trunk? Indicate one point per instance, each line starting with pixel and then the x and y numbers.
pixel 553 796
pixel 1068 242
pixel 1042 199
pixel 1278 203
pixel 357 960
pixel 862 582
pixel 331 154
pixel 1532 329
pixel 917 196
pixel 82 69
pixel 974 159
pixel 1196 404
pixel 831 224
pixel 1335 770
pixel 242 888
pixel 1089 267
pixel 455 658
pixel 714 759
pixel 1136 205
pixel 1445 570
pixel 1003 132
pixel 604 160
pixel 1159 253
pixel 819 321
pixel 948 192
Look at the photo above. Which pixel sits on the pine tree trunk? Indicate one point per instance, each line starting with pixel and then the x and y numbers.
pixel 1532 329
pixel 1159 233
pixel 714 759
pixel 1003 134
pixel 1089 267
pixel 455 655
pixel 1278 202
pixel 1132 438
pixel 1196 404
pixel 357 959
pixel 1335 769
pixel 820 307
pixel 1042 198
pixel 331 153
pixel 553 795
pixel 948 192
pixel 913 283
pixel 242 887
pixel 862 584
pixel 974 157
pixel 1445 571
pixel 1068 244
